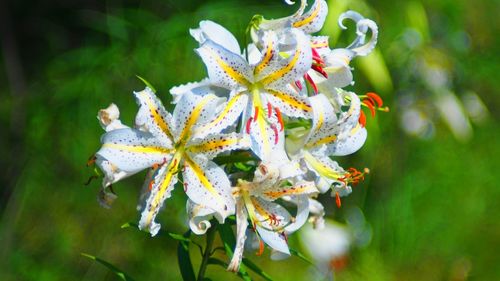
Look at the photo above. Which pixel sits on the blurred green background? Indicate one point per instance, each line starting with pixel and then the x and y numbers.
pixel 430 201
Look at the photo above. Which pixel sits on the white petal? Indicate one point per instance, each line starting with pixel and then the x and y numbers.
pixel 289 102
pixel 193 111
pixel 152 117
pixel 132 150
pixel 302 202
pixel 161 189
pixel 215 144
pixel 324 119
pixel 111 172
pixel 207 184
pixel 210 30
pixel 274 240
pixel 313 20
pixel 199 217
pixel 358 46
pixel 227 116
pixel 350 144
pixel 225 68
pixel 241 227
pixel 109 118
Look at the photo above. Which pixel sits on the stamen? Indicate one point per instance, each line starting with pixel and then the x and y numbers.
pixel 316 56
pixel 276 136
pixel 269 110
pixel 280 118
pixel 261 248
pixel 337 200
pixel 299 85
pixel 311 82
pixel 368 103
pixel 320 70
pixel 376 97
pixel 91 160
pixel 249 123
pixel 362 118
pixel 151 183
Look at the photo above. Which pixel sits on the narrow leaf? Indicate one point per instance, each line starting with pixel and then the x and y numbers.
pixel 185 264
pixel 147 83
pixel 111 267
pixel 301 256
pixel 255 268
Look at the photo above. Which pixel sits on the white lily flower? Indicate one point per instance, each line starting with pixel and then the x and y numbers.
pixel 332 136
pixel 169 144
pixel 262 91
pixel 271 221
pixel 336 61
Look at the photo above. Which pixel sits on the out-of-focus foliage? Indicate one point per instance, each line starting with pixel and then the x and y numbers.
pixel 430 204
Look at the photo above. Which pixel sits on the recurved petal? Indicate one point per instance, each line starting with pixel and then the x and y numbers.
pixel 199 217
pixel 324 118
pixel 231 111
pixel 313 20
pixel 131 150
pixel 210 30
pixel 358 46
pixel 225 68
pixel 348 144
pixel 302 202
pixel 111 172
pixel 320 44
pixel 193 111
pixel 161 189
pixel 206 183
pixel 241 227
pixel 109 118
pixel 212 145
pixel 280 71
pixel 152 117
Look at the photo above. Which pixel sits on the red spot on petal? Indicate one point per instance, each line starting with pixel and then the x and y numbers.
pixel 276 134
pixel 320 70
pixel 299 85
pixel 256 114
pixel 269 110
pixel 311 82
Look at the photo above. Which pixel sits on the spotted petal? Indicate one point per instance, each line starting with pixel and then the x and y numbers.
pixel 275 192
pixel 152 117
pixel 231 111
pixel 192 111
pixel 161 189
pixel 241 227
pixel 313 20
pixel 324 119
pixel 207 184
pixel 349 144
pixel 272 218
pixel 131 150
pixel 225 68
pixel 199 217
pixel 283 71
pixel 289 102
pixel 215 144
pixel 358 46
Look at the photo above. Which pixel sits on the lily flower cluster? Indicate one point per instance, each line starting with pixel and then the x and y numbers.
pixel 279 103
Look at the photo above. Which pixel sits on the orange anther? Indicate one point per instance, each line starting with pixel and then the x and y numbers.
pixel 376 97
pixel 280 118
pixel 337 200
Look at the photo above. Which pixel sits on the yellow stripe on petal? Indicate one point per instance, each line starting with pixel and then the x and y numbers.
pixel 195 114
pixel 204 180
pixel 137 148
pixel 310 18
pixel 283 71
pixel 223 114
pixel 290 100
pixel 214 145
pixel 172 170
pixel 321 168
pixel 261 123
pixel 267 58
pixel 324 140
pixel 230 71
pixel 156 116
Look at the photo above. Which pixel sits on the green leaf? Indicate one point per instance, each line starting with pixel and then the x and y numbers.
pixel 185 264
pixel 242 166
pixel 229 241
pixel 113 268
pixel 147 83
pixel 301 256
pixel 223 264
pixel 255 268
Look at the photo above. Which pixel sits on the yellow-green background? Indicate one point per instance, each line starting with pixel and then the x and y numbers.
pixel 433 204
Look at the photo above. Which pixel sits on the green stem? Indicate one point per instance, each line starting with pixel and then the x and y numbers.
pixel 208 251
